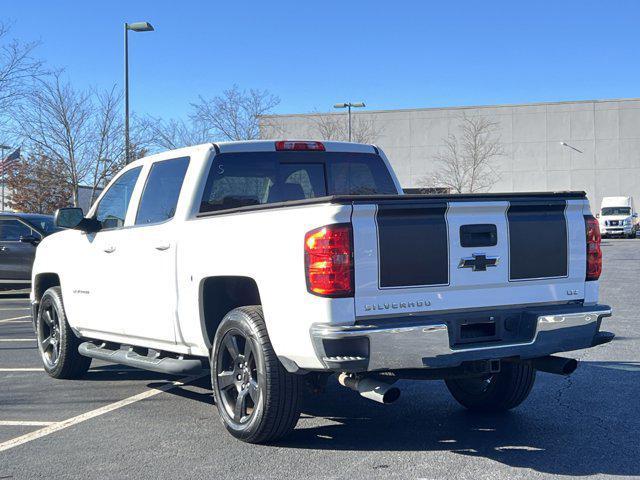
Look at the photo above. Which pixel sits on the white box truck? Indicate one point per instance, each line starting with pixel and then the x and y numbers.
pixel 618 217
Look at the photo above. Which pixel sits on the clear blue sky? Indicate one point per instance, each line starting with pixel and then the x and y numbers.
pixel 391 54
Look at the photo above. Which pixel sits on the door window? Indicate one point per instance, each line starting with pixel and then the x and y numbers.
pixel 161 192
pixel 112 209
pixel 12 230
pixel 44 223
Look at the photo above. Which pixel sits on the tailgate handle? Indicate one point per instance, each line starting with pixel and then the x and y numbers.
pixel 479 235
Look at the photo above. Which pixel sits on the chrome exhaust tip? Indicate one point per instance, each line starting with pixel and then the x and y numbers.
pixel 371 387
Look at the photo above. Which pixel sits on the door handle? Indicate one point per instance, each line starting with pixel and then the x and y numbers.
pixel 163 247
pixel 110 249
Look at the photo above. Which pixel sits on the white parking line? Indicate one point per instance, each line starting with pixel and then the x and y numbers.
pixel 106 370
pixel 6 320
pixel 18 369
pixel 19 423
pixel 17 339
pixel 13 308
pixel 56 427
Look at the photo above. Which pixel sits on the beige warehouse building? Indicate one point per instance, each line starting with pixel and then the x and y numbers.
pixel 607 132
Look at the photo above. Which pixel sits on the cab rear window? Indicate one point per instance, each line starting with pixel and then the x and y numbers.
pixel 255 178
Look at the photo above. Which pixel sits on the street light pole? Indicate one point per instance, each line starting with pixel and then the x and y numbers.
pixel 3 149
pixel 348 106
pixel 126 93
pixel 136 27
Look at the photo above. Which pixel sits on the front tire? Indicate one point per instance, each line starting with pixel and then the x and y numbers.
pixel 57 343
pixel 257 399
pixel 497 392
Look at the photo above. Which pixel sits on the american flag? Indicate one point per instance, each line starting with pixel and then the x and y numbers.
pixel 9 162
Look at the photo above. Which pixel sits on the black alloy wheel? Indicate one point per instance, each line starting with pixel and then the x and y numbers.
pixel 49 335
pixel 57 343
pixel 239 380
pixel 257 399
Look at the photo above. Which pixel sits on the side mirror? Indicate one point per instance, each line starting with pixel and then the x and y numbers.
pixel 597 215
pixel 635 215
pixel 68 217
pixel 32 239
pixel 74 218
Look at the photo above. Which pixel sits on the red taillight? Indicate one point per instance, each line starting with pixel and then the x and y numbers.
pixel 328 257
pixel 594 253
pixel 298 145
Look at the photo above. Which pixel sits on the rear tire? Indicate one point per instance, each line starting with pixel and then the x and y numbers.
pixel 497 392
pixel 257 399
pixel 57 343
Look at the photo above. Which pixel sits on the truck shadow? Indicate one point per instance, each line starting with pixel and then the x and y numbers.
pixel 113 372
pixel 578 425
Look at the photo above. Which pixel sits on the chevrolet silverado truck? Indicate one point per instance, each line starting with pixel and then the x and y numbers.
pixel 275 264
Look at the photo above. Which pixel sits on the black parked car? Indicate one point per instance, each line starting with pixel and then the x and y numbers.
pixel 20 234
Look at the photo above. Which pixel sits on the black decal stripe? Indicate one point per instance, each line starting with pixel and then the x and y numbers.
pixel 413 245
pixel 537 240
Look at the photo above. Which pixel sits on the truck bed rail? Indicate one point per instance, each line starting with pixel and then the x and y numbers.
pixel 438 198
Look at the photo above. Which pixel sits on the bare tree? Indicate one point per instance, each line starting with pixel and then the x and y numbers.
pixel 271 127
pixel 18 68
pixel 107 139
pixel 466 163
pixel 336 127
pixel 234 115
pixel 172 133
pixel 56 121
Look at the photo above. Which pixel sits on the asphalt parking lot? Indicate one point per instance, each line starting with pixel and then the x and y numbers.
pixel 125 423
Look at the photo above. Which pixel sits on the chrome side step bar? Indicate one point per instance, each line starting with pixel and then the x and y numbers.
pixel 134 357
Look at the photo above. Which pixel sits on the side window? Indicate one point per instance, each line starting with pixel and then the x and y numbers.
pixel 12 230
pixel 112 209
pixel 161 192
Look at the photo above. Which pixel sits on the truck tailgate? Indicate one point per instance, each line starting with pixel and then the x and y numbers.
pixel 425 254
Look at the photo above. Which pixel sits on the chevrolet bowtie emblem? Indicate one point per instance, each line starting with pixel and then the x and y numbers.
pixel 478 262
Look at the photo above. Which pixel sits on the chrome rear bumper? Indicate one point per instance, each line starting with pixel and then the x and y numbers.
pixel 406 343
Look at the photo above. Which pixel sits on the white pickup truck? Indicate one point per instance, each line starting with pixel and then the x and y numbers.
pixel 277 264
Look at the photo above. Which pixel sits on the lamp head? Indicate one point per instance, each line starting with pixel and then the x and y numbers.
pixel 140 27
